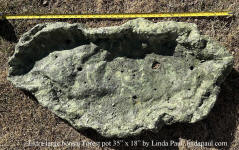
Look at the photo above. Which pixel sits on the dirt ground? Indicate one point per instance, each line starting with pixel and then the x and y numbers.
pixel 24 123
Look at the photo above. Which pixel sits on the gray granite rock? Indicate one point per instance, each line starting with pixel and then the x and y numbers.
pixel 124 79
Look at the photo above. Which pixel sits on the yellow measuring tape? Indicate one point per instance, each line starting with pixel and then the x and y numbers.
pixel 118 16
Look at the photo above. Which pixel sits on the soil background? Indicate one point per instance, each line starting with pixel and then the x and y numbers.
pixel 23 121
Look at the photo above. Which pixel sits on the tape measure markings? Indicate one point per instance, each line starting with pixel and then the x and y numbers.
pixel 117 16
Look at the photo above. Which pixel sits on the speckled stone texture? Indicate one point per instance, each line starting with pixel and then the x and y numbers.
pixel 124 79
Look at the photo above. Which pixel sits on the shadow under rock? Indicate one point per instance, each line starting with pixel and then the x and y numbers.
pixel 30 95
pixel 7 31
pixel 215 131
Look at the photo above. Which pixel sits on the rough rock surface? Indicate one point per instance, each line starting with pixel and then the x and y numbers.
pixel 124 79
